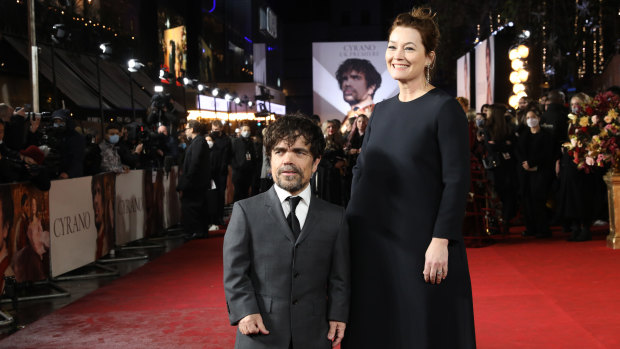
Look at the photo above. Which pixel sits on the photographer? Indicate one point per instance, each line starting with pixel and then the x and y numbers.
pixel 28 166
pixel 21 126
pixel 69 143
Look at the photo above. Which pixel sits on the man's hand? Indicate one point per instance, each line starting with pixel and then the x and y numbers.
pixel 34 124
pixel 63 175
pixel 252 324
pixel 138 149
pixel 436 264
pixel 336 332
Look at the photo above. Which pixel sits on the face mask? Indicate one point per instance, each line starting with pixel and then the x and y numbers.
pixel 574 109
pixel 216 133
pixel 210 143
pixel 532 122
pixel 479 123
pixel 245 134
pixel 183 146
pixel 114 139
pixel 59 125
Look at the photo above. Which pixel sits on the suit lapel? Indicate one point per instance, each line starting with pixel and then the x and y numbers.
pixel 311 219
pixel 274 208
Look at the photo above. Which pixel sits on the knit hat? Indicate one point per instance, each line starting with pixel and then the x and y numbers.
pixel 62 114
pixel 34 153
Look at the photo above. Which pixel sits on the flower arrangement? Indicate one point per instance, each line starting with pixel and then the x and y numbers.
pixel 594 134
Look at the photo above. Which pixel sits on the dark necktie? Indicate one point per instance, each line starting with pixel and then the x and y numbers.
pixel 293 222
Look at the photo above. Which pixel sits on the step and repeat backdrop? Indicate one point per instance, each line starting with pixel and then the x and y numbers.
pixel 46 234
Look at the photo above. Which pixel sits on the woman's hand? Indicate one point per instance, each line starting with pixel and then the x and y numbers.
pixel 436 261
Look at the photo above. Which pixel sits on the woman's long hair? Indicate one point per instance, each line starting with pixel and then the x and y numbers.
pixel 497 127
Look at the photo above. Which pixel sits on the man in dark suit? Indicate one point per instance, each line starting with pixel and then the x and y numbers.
pixel 243 162
pixel 286 253
pixel 194 181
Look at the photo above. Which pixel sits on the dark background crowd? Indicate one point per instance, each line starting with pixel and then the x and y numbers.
pixel 520 173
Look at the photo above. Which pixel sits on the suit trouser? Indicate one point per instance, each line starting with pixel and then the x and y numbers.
pixel 194 208
pixel 220 182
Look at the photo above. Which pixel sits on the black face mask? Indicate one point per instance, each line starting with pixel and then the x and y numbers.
pixel 216 133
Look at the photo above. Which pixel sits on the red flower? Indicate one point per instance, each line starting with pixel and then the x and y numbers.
pixel 589 110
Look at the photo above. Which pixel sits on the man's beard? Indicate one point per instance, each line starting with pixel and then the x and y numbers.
pixel 294 185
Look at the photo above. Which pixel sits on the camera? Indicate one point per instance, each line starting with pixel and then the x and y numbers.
pixel 43 116
pixel 162 110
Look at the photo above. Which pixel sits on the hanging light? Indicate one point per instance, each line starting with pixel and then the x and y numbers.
pixel 524 51
pixel 513 101
pixel 215 92
pixel 523 75
pixel 517 64
pixel 518 88
pixel 158 89
pixel 514 77
pixel 521 95
pixel 513 54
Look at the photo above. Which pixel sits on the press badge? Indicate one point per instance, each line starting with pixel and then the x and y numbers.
pixel 248 156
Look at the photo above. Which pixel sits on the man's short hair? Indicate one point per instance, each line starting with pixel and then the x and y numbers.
pixel 288 128
pixel 216 123
pixel 556 97
pixel 113 126
pixel 196 126
pixel 359 65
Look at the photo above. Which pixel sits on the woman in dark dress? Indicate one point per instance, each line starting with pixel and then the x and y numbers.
pixel 410 279
pixel 331 168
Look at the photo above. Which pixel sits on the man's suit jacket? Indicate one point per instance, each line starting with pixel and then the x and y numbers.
pixel 196 173
pixel 296 285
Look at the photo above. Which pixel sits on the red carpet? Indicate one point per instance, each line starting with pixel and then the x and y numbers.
pixel 527 294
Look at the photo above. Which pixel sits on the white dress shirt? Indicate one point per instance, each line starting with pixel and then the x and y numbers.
pixel 302 208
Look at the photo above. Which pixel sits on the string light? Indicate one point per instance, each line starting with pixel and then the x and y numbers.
pixel 601 56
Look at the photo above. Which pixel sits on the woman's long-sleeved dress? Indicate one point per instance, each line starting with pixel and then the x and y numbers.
pixel 410 185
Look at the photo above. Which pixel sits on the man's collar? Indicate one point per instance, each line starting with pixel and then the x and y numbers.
pixel 283 194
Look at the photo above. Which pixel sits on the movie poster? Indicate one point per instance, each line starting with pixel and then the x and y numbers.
pixel 485 72
pixel 175 53
pixel 154 202
pixel 206 62
pixel 172 203
pixel 24 232
pixel 463 73
pixel 103 192
pixel 348 78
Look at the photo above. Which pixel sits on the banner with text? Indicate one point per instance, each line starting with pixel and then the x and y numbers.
pixel 130 208
pixel 349 77
pixel 73 228
pixel 463 73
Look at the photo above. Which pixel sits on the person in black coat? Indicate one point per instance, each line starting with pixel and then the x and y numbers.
pixel 71 145
pixel 556 118
pixel 221 150
pixel 243 163
pixel 535 150
pixel 194 182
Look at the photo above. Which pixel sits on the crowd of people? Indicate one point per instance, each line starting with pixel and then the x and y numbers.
pixel 529 172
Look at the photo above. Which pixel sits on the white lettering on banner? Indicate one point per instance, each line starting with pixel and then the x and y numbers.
pixel 128 206
pixel 71 224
